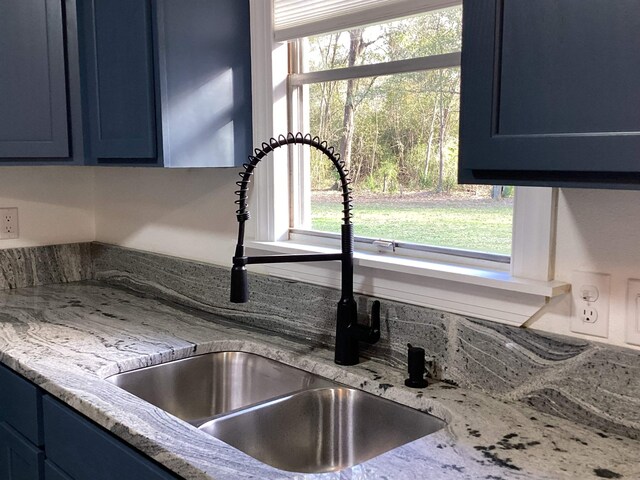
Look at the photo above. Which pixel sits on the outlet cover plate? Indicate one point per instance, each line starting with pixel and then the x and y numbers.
pixel 583 285
pixel 8 223
pixel 633 311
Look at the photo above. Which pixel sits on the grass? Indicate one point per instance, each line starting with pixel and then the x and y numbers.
pixel 482 225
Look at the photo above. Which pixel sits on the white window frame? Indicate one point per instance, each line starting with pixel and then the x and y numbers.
pixel 486 289
pixel 298 83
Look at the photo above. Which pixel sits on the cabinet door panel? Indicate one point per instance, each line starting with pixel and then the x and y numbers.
pixel 20 405
pixel 52 472
pixel 549 93
pixel 204 70
pixel 117 65
pixel 33 99
pixel 567 54
pixel 19 459
pixel 85 452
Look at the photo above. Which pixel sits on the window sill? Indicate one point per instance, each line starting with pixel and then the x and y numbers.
pixel 454 273
pixel 484 293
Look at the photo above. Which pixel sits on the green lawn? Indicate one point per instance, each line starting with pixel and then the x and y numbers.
pixel 483 226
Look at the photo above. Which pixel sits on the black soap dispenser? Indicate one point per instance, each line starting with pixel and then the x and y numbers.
pixel 416 368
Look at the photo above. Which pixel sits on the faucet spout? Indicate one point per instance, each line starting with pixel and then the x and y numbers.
pixel 239 284
pixel 348 331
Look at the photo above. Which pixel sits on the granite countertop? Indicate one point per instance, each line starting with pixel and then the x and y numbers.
pixel 68 338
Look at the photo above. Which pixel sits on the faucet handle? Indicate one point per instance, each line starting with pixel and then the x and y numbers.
pixel 374 329
pixel 368 333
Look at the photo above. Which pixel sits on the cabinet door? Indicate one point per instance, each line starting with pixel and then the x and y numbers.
pixel 85 452
pixel 550 93
pixel 19 458
pixel 21 405
pixel 33 100
pixel 204 71
pixel 117 68
pixel 52 472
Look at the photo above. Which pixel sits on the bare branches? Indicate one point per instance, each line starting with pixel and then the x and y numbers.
pixel 396 132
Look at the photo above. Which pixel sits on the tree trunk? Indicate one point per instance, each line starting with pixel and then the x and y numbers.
pixel 356 176
pixel 327 90
pixel 375 145
pixel 430 142
pixel 347 126
pixel 441 139
pixel 355 49
pixel 496 192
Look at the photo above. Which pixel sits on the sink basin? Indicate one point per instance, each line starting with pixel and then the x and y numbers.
pixel 280 415
pixel 322 430
pixel 197 389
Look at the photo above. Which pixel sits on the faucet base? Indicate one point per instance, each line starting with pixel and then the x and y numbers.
pixel 347 351
pixel 347 348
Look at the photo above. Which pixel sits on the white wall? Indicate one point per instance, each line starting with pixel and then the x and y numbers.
pixel 597 232
pixel 190 214
pixel 187 213
pixel 55 204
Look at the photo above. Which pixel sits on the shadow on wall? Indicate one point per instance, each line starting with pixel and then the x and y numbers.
pixel 55 204
pixel 188 213
pixel 597 229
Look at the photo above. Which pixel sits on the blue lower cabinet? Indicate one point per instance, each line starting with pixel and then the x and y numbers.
pixel 53 472
pixel 20 405
pixel 19 458
pixel 84 451
pixel 34 426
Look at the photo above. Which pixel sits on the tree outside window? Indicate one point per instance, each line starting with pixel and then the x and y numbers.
pixel 398 135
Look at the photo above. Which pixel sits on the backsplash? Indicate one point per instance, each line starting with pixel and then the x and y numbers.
pixel 587 382
pixel 28 267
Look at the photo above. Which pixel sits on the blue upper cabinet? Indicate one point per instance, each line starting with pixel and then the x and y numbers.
pixel 34 114
pixel 117 71
pixel 204 72
pixel 550 93
pixel 166 82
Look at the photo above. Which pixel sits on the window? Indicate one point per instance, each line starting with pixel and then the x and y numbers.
pixel 387 97
pixel 507 292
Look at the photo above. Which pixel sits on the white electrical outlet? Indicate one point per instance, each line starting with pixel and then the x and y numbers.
pixel 8 223
pixel 633 312
pixel 590 295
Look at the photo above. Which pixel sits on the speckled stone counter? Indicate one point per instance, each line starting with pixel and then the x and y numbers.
pixel 68 338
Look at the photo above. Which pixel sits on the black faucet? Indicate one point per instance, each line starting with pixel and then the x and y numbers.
pixel 348 331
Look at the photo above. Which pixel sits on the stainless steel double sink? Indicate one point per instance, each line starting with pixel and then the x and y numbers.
pixel 285 417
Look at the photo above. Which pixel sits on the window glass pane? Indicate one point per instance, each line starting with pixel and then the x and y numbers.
pixel 399 136
pixel 424 35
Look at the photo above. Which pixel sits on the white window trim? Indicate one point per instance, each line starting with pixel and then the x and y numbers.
pixel 510 297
